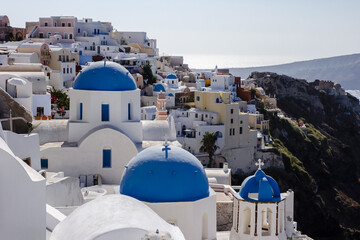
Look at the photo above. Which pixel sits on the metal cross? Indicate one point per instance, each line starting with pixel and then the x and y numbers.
pixel 166 148
pixel 259 163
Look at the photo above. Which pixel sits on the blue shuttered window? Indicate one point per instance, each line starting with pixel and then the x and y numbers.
pixel 81 111
pixel 106 158
pixel 44 163
pixel 105 112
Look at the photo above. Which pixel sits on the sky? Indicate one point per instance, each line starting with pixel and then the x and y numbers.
pixel 227 33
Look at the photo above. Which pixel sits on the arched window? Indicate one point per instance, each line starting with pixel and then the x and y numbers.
pixel 218 134
pixel 246 220
pixel 65 36
pixel 266 222
pixel 281 219
pixel 70 36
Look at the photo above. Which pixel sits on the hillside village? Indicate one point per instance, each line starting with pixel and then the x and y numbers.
pixel 89 112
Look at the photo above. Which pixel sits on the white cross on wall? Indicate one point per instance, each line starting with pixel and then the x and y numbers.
pixel 259 164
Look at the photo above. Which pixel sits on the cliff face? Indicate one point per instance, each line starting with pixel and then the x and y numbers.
pixel 322 163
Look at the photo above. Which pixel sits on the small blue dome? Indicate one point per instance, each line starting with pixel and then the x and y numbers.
pixel 171 76
pixel 159 87
pixel 152 177
pixel 105 76
pixel 262 188
pixel 171 95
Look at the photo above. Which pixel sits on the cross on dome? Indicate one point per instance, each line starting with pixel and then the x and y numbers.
pixel 166 148
pixel 259 164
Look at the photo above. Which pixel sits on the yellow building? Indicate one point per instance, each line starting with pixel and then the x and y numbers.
pixel 240 142
pixel 235 122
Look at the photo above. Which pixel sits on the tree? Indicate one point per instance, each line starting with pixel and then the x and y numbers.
pixel 147 74
pixel 60 98
pixel 208 146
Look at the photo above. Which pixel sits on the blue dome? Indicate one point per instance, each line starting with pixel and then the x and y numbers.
pixel 171 76
pixel 261 188
pixel 151 177
pixel 159 87
pixel 105 76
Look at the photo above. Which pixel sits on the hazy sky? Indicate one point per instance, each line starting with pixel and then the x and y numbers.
pixel 228 33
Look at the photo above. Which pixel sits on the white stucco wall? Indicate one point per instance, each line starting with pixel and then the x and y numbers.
pixel 64 192
pixel 25 146
pixel 189 216
pixel 41 100
pixel 87 157
pixel 118 113
pixel 22 208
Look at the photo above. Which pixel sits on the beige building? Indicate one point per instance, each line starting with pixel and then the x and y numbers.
pixel 62 55
pixel 256 121
pixel 240 142
pixel 42 50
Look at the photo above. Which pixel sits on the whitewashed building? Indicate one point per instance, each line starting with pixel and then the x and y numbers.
pixel 104 125
pixel 191 125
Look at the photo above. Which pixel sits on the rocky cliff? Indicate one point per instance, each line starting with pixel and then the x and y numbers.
pixel 322 162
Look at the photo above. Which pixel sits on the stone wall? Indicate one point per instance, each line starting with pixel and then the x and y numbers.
pixel 7 103
pixel 224 215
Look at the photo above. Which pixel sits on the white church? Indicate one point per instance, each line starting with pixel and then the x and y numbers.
pixel 104 125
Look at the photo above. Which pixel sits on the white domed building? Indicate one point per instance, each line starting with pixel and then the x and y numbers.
pixel 173 183
pixel 113 217
pixel 261 211
pixel 104 125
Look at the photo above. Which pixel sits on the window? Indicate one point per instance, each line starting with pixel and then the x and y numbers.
pixel 44 163
pixel 230 131
pixel 241 122
pixel 69 24
pixel 231 111
pixel 217 100
pixel 196 115
pixel 70 36
pixel 41 35
pixel 240 130
pixel 78 30
pixel 233 131
pixel 46 24
pixel 81 111
pixel 59 57
pixel 70 70
pixel 63 70
pixel 63 24
pixel 197 98
pixel 129 111
pixel 67 70
pixel 106 158
pixel 231 120
pixel 105 112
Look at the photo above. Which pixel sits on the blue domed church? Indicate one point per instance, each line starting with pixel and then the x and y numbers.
pixel 261 211
pixel 104 127
pixel 173 183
